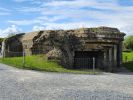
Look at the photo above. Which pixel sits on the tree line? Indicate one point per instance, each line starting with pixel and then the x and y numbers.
pixel 128 42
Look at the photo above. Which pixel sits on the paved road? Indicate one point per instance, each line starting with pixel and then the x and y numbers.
pixel 16 84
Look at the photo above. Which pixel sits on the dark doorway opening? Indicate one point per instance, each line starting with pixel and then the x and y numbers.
pixel 84 59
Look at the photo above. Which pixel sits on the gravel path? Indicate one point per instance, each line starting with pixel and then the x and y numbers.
pixel 17 84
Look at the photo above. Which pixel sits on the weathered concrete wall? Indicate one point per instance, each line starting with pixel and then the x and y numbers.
pixel 13 46
pixel 104 39
pixel 62 44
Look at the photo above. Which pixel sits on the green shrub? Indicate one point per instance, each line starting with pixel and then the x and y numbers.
pixel 128 42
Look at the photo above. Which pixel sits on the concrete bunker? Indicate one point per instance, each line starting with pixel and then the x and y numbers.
pixel 74 48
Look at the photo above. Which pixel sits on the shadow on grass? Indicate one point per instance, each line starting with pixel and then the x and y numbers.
pixel 128 65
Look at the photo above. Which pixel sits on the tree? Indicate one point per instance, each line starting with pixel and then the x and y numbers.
pixel 128 42
pixel 1 39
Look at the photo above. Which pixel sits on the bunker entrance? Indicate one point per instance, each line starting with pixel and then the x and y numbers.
pixel 84 59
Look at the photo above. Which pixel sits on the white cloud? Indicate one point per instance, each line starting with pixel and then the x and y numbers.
pixel 4 11
pixel 9 30
pixel 24 22
pixel 31 1
pixel 37 28
pixel 67 14
pixel 38 20
pixel 22 0
pixel 29 9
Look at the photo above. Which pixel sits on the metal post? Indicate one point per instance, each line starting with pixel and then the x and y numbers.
pixel 93 64
pixel 23 58
pixel 126 59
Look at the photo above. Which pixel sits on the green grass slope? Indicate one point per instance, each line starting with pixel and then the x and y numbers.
pixel 128 60
pixel 128 56
pixel 38 62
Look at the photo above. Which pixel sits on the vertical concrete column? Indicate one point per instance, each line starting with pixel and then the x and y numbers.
pixel 100 60
pixel 8 51
pixel 106 59
pixel 120 49
pixel 110 59
pixel 119 55
pixel 112 56
pixel 104 55
pixel 115 55
pixel 8 48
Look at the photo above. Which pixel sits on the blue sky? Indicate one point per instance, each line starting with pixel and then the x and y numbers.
pixel 29 15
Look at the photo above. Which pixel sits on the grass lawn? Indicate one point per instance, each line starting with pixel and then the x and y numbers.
pixel 128 56
pixel 128 60
pixel 39 63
